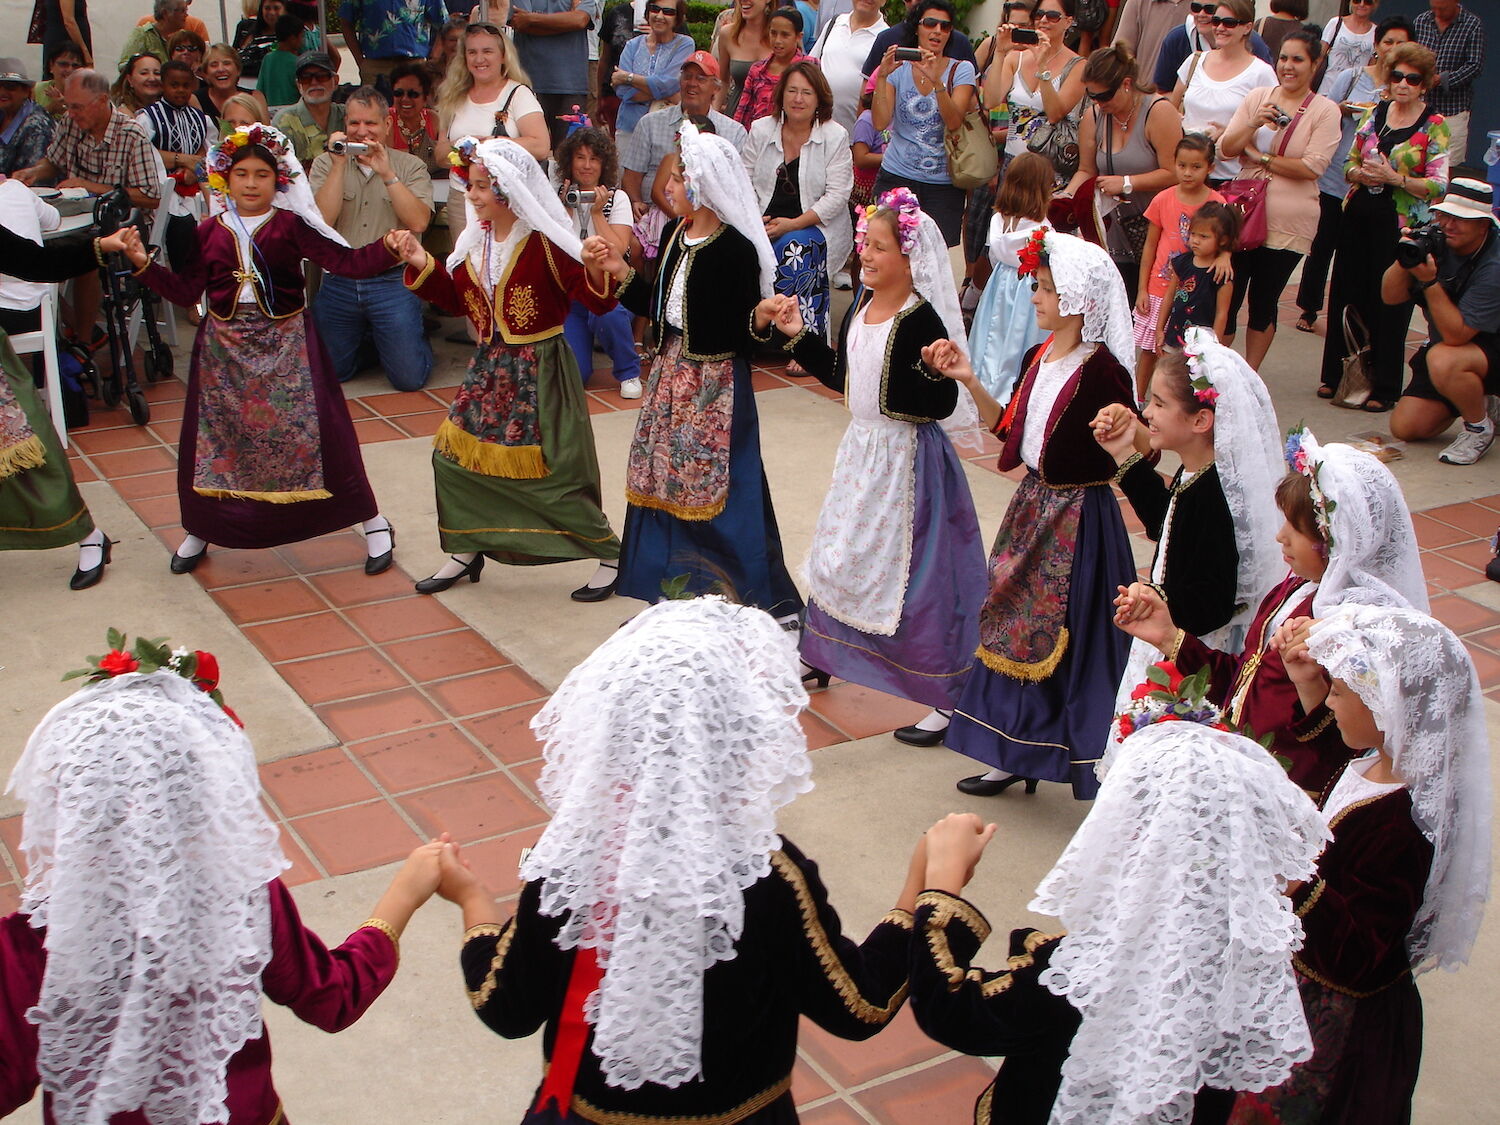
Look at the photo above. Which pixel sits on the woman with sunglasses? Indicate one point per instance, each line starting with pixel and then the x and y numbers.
pixel 1211 84
pixel 1350 39
pixel 1127 150
pixel 1043 82
pixel 650 66
pixel 1397 164
pixel 919 102
pixel 414 127
pixel 1286 134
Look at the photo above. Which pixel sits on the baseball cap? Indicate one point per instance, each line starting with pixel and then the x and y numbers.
pixel 1466 199
pixel 309 60
pixel 13 70
pixel 704 62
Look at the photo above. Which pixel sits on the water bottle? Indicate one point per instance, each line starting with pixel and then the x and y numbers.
pixel 1492 158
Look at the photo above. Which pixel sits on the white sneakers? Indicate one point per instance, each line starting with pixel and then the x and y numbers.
pixel 630 388
pixel 842 280
pixel 1470 445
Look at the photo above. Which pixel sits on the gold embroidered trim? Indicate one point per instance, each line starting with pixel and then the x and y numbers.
pixel 280 1118
pixel 588 279
pixel 1011 737
pixel 1125 467
pixel 552 263
pixel 1016 670
pixel 28 453
pixel 984 1107
pixel 74 518
pixel 833 968
pixel 484 929
pixel 1311 900
pixel 885 660
pixel 599 1116
pixel 388 930
pixel 1322 725
pixel 514 462
pixel 699 514
pixel 1033 941
pixel 427 271
pixel 1176 646
pixel 525 531
pixel 948 907
pixel 248 273
pixel 1312 974
pixel 480 997
pixel 790 343
pixel 265 497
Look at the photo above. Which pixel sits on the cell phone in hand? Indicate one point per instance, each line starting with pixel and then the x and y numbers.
pixel 1025 36
pixel 908 54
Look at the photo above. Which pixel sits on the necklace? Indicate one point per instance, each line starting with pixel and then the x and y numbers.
pixel 415 135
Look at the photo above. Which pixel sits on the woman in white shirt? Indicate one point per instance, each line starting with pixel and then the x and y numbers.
pixel 1212 84
pixel 841 51
pixel 1350 39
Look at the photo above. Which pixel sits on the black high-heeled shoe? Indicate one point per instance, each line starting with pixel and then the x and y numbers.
pixel 980 786
pixel 816 676
pixel 597 593
pixel 916 736
pixel 186 564
pixel 83 579
pixel 379 564
pixel 435 585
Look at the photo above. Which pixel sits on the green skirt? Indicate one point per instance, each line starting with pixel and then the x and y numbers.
pixel 530 521
pixel 39 507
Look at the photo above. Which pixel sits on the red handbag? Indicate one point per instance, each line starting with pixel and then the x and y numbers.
pixel 1248 195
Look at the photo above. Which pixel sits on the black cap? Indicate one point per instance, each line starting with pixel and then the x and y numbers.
pixel 309 60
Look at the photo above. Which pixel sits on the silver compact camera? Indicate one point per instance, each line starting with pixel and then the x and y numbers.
pixel 349 148
pixel 579 197
pixel 1282 118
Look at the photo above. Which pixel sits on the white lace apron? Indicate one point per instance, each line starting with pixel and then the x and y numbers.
pixel 861 547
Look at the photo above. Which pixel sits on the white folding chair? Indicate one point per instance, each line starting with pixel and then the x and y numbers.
pixel 45 341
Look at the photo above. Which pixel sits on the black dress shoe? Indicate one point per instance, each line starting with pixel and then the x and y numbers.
pixel 816 676
pixel 596 593
pixel 186 564
pixel 379 564
pixel 438 585
pixel 916 736
pixel 83 579
pixel 979 786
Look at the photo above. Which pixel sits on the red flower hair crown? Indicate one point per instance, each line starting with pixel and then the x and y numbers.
pixel 154 655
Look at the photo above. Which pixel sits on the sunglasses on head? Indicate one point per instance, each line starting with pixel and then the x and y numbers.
pixel 1404 76
pixel 933 21
pixel 1227 21
pixel 1051 15
pixel 1105 95
pixel 487 28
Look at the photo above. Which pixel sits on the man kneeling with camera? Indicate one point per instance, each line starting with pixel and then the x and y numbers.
pixel 1452 268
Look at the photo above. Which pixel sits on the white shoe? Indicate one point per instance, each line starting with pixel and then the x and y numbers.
pixel 630 388
pixel 1492 410
pixel 1469 446
pixel 841 280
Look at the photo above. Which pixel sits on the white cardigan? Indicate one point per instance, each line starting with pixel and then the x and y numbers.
pixel 825 177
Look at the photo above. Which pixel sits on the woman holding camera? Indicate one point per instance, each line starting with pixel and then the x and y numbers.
pixel 1397 164
pixel 1042 81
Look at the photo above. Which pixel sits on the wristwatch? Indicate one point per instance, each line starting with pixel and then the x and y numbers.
pixel 1265 160
pixel 1126 187
pixel 1044 75
pixel 1423 286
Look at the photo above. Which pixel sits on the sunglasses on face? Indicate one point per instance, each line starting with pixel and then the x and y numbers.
pixel 1403 76
pixel 1196 8
pixel 1052 16
pixel 1104 95
pixel 403 92
pixel 1226 21
pixel 933 21
pixel 660 10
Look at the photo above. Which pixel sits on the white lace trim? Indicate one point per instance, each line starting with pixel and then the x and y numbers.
pixel 531 197
pixel 1088 283
pixel 718 180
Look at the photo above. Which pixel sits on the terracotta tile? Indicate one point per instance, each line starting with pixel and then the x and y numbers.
pixel 302 869
pixel 1491 502
pixel 157 511
pixel 133 461
pixel 165 390
pixel 10 898
pixel 168 430
pixel 507 734
pixel 1434 533
pixel 266 601
pixel 473 808
pixel 421 425
pixel 486 691
pixel 357 838
pixel 1486 666
pixel 945 1092
pixel 403 617
pixel 819 733
pixel 1446 573
pixel 807 1084
pixel 355 587
pixel 148 484
pixel 112 441
pixel 860 711
pixel 358 410
pixel 447 654
pixel 326 552
pixel 497 862
pixel 529 774
pixel 323 779
pixel 1473 518
pixel 375 429
pixel 82 473
pixel 837 1112
pixel 767 381
pixel 1476 554
pixel 237 568
pixel 1463 616
pixel 1490 638
pixel 344 675
pixel 314 635
pixel 823 392
pixel 900 1044
pixel 388 713
pixel 415 758
pixel 597 405
pixel 444 395
pixel 171 411
pixel 399 402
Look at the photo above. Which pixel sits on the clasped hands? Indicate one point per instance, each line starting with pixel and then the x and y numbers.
pixel 782 311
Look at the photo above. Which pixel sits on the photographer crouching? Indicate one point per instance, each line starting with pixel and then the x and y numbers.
pixel 1451 267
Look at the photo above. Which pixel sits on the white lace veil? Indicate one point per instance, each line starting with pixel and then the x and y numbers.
pixel 518 176
pixel 717 179
pixel 1088 283
pixel 1179 938
pixel 668 753
pixel 148 855
pixel 1419 683
pixel 1373 557
pixel 932 277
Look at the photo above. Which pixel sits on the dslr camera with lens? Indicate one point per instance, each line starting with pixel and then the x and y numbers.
pixel 579 197
pixel 1416 244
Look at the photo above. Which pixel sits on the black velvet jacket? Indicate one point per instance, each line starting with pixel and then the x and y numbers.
pixel 791 960
pixel 909 390
pixel 720 291
pixel 1202 561
pixel 58 262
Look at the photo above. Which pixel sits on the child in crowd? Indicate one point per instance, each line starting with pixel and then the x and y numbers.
pixel 869 148
pixel 240 112
pixel 181 133
pixel 1197 297
pixel 1005 326
pixel 1169 213
pixel 278 71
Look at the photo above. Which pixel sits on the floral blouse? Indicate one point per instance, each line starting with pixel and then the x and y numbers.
pixel 1418 153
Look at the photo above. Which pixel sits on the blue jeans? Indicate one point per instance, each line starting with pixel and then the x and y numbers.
pixel 383 310
pixel 612 330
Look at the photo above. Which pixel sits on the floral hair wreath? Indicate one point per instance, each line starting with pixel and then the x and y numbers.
pixel 198 667
pixel 1167 696
pixel 1202 387
pixel 461 156
pixel 1033 254
pixel 1299 460
pixel 902 203
pixel 221 156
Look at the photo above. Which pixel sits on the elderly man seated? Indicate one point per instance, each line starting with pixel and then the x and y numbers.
pixel 316 116
pixel 168 17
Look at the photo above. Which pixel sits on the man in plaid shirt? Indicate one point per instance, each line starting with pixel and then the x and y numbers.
pixel 1455 35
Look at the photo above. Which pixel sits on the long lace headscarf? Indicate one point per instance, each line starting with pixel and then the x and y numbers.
pixel 716 179
pixel 1179 937
pixel 1419 683
pixel 292 193
pixel 148 854
pixel 518 178
pixel 1373 556
pixel 1088 284
pixel 668 753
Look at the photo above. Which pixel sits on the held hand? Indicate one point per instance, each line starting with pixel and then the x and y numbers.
pixel 127 241
pixel 767 311
pixel 1132 605
pixel 1290 641
pixel 408 247
pixel 1114 430
pixel 954 847
pixel 1140 612
pixel 944 357
pixel 456 881
pixel 604 257
pixel 418 877
pixel 888 63
pixel 789 320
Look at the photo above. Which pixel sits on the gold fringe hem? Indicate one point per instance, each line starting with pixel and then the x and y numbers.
pixel 700 514
pixel 517 462
pixel 265 497
pixel 28 453
pixel 1016 670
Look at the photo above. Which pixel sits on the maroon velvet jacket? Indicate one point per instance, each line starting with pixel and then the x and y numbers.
pixel 1257 695
pixel 283 240
pixel 1071 458
pixel 328 988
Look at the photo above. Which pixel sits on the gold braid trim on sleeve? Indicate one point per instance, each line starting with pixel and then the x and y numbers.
pixel 480 997
pixel 1322 725
pixel 1125 467
pixel 828 958
pixel 791 342
pixel 422 277
pixel 758 1102
pixel 898 917
pixel 947 907
pixel 1171 651
pixel 387 929
pixel 1311 900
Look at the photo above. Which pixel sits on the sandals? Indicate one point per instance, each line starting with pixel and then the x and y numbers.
pixel 1325 391
pixel 1375 406
pixel 1306 321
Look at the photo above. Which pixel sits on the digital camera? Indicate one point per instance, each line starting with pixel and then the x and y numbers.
pixel 350 148
pixel 1416 244
pixel 579 197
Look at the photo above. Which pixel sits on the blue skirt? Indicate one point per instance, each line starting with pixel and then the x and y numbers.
pixel 1054 729
pixel 738 552
pixel 928 657
pixel 802 271
pixel 1004 330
